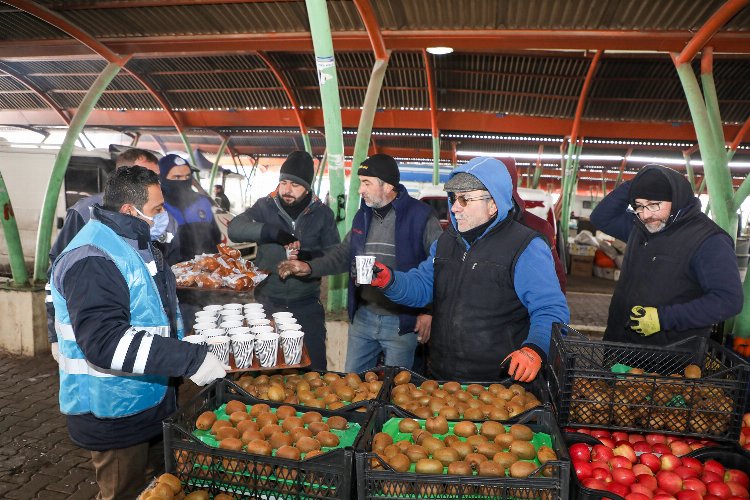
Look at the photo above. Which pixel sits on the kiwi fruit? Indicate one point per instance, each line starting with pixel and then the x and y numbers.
pixel 450 439
pixel 300 432
pixel 402 377
pixel 416 453
pixel 285 411
pixel 692 371
pixel 460 469
pixel 238 416
pixel 306 444
pixel 230 443
pixel 312 416
pixel 431 444
pixel 317 427
pixel 522 432
pixel 287 451
pixel 490 429
pixel 475 441
pixel 463 448
pixel 544 454
pixel 327 439
pixel 313 453
pixel 276 393
pixel 219 424
pixel 234 406
pixel 522 469
pixel 227 432
pixel 271 429
pixel 399 462
pixel 523 449
pixel 266 418
pixel 197 495
pixel 428 465
pixel 437 425
pixel 490 469
pixel 475 459
pixel 449 412
pixel 488 449
pixel 170 480
pixel 464 429
pixel 259 447
pixel 259 409
pixel 408 425
pixel 446 455
pixel 423 412
pixel 292 423
pixel 338 423
pixel 251 435
pixel 505 458
pixel 279 439
pixel 474 414
pixel 205 420
pixel 371 377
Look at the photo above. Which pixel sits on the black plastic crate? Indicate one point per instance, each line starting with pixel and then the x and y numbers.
pixel 537 387
pixel 198 465
pixel 387 484
pixel 587 393
pixel 380 371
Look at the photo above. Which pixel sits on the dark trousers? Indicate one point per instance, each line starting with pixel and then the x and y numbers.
pixel 123 473
pixel 312 317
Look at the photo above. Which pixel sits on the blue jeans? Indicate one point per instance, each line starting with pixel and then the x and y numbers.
pixel 369 334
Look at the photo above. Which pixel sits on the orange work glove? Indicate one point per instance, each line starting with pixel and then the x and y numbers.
pixel 382 276
pixel 525 364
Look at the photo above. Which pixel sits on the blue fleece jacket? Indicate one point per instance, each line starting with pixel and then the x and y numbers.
pixel 534 280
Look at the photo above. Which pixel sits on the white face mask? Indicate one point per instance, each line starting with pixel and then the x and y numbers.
pixel 159 226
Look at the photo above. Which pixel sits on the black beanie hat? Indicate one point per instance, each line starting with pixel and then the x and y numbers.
pixel 382 166
pixel 298 167
pixel 652 185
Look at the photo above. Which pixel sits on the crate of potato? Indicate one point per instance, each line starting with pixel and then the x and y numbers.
pixel 504 401
pixel 401 457
pixel 317 389
pixel 694 387
pixel 235 444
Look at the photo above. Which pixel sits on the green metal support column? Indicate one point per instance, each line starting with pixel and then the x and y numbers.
pixel 364 132
pixel 538 168
pixel 435 160
pixel 12 238
pixel 189 150
pixel 44 235
pixel 308 144
pixel 320 29
pixel 689 169
pixel 215 166
pixel 566 184
pixel 321 171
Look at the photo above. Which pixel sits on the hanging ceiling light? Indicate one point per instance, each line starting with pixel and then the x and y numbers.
pixel 439 51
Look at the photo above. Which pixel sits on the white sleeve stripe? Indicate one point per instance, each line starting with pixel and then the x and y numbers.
pixel 122 349
pixel 143 351
pixel 48 298
pixel 48 287
pixel 64 331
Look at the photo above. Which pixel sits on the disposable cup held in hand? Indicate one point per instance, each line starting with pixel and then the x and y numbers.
pixel 291 345
pixel 262 329
pixel 243 346
pixel 266 348
pixel 195 339
pixel 213 332
pixel 239 330
pixel 219 346
pixel 364 265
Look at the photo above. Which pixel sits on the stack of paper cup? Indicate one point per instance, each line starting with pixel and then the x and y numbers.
pixel 219 346
pixel 228 325
pixel 202 316
pixel 199 328
pixel 258 322
pixel 291 345
pixel 266 348
pixel 283 327
pixel 195 339
pixel 214 308
pixel 213 332
pixel 243 345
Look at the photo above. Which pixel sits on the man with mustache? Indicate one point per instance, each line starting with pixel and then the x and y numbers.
pixel 291 221
pixel 679 275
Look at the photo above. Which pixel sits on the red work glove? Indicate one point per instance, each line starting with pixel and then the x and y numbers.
pixel 525 364
pixel 382 276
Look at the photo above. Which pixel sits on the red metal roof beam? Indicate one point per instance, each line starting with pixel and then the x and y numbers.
pixel 584 92
pixel 39 92
pixel 287 90
pixel 367 13
pixel 432 93
pixel 708 30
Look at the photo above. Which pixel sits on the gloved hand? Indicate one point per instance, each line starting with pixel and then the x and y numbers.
pixel 382 276
pixel 525 364
pixel 644 320
pixel 55 347
pixel 209 370
pixel 275 234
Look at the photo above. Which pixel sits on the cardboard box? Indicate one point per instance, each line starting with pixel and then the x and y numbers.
pixel 583 250
pixel 608 273
pixel 581 265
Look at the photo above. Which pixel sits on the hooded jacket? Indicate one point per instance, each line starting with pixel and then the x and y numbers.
pixel 688 270
pixel 489 297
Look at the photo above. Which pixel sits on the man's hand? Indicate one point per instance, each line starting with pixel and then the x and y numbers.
pixel 382 277
pixel 55 348
pixel 295 245
pixel 423 327
pixel 210 370
pixel 525 364
pixel 644 320
pixel 288 268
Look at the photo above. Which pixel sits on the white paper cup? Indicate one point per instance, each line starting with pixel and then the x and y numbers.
pixel 285 321
pixel 266 348
pixel 364 265
pixel 230 312
pixel 243 346
pixel 258 321
pixel 195 339
pixel 258 330
pixel 291 345
pixel 208 315
pixel 255 315
pixel 213 308
pixel 233 317
pixel 219 346
pixel 228 325
pixel 282 314
pixel 234 306
pixel 213 332
pixel 200 327
pixel 283 327
pixel 253 306
pixel 240 330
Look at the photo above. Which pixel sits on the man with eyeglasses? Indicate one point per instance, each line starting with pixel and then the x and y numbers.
pixel 679 275
pixel 491 281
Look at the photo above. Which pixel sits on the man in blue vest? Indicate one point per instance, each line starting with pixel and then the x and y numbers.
pixel 119 328
pixel 491 281
pixel 193 212
pixel 396 229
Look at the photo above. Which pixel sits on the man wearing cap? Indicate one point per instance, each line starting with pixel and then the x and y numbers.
pixel 197 228
pixel 291 217
pixel 491 281
pixel 396 229
pixel 680 274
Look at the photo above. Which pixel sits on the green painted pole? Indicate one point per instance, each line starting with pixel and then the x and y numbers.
pixel 364 132
pixel 215 166
pixel 538 168
pixel 742 192
pixel 320 29
pixel 12 238
pixel 435 160
pixel 44 235
pixel 690 170
pixel 189 150
pixel 321 171
pixel 308 144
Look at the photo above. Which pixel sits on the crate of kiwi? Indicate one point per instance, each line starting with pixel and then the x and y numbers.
pixel 402 457
pixel 317 389
pixel 505 400
pixel 694 387
pixel 228 442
